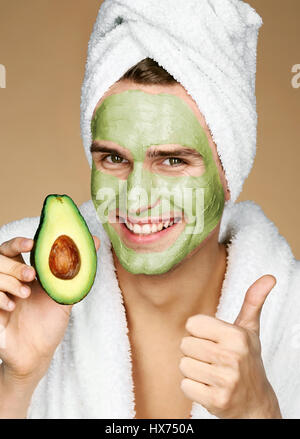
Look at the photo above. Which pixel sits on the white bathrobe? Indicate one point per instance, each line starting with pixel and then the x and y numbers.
pixel 90 375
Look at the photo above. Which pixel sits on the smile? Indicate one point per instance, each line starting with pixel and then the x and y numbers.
pixel 147 230
pixel 152 226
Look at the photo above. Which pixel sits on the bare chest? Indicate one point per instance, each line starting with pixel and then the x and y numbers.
pixel 157 378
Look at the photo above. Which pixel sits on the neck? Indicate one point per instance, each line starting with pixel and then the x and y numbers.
pixel 192 287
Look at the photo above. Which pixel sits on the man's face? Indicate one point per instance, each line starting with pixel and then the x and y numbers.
pixel 155 183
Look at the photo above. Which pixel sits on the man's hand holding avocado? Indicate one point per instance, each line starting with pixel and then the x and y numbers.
pixel 32 326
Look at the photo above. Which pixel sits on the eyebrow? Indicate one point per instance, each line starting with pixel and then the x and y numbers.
pixel 95 147
pixel 178 152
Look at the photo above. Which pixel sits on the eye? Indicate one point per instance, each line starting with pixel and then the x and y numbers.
pixel 114 158
pixel 173 161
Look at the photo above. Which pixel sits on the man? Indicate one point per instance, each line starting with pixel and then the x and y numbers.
pixel 187 285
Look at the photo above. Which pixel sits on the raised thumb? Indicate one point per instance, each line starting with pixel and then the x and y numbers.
pixel 249 315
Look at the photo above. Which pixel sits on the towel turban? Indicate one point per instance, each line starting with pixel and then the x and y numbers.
pixel 209 46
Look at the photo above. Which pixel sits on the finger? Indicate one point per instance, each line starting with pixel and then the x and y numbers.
pixel 11 285
pixel 97 242
pixel 16 246
pixel 5 303
pixel 207 327
pixel 16 269
pixel 201 372
pixel 255 297
pixel 199 349
pixel 196 391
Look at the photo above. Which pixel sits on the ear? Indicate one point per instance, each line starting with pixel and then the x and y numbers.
pixel 222 175
pixel 224 182
pixel 227 192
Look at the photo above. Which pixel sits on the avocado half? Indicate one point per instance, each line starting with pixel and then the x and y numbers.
pixel 64 254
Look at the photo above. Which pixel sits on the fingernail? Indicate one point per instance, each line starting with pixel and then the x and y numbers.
pixel 26 242
pixel 10 305
pixel 27 273
pixel 24 291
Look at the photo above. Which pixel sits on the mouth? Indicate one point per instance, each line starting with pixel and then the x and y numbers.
pixel 147 227
pixel 147 230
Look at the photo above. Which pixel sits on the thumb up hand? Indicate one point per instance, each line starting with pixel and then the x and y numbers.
pixel 249 315
pixel 222 365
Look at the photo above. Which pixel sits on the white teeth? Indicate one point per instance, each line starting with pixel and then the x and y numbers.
pixel 148 228
pixel 130 226
pixel 137 228
pixel 154 228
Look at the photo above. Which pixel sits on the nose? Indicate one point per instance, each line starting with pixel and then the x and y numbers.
pixel 139 185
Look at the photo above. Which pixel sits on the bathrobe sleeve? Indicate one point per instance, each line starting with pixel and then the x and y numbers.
pixel 292 341
pixel 286 357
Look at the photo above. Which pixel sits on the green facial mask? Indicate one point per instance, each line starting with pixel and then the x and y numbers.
pixel 136 120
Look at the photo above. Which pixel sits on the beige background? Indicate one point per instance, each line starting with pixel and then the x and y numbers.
pixel 43 46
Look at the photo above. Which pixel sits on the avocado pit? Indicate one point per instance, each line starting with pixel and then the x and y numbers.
pixel 64 258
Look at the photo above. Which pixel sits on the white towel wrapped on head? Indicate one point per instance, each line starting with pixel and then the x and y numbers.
pixel 209 46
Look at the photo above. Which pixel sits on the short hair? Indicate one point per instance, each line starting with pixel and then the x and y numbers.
pixel 148 72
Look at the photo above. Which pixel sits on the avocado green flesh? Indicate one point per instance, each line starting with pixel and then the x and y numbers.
pixel 60 216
